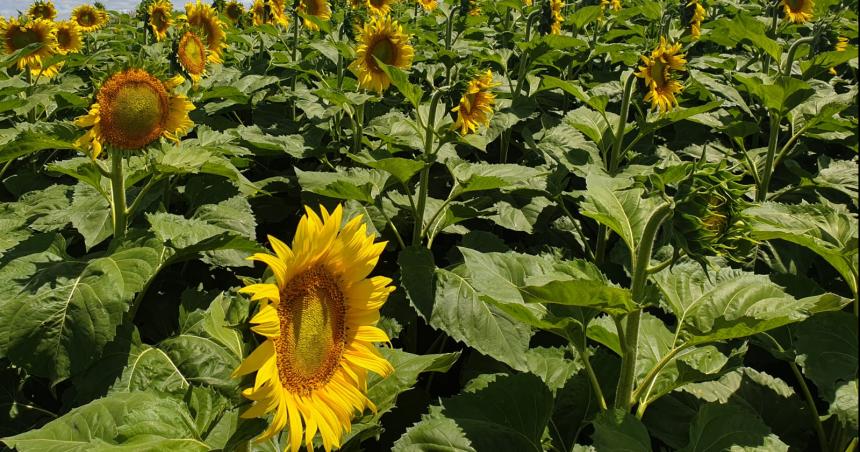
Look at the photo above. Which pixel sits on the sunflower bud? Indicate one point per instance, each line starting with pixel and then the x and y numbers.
pixel 708 218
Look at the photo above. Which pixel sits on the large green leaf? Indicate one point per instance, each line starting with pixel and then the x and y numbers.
pixel 618 430
pixel 827 350
pixel 730 427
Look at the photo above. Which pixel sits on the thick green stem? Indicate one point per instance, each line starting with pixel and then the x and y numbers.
pixel 429 133
pixel 773 140
pixel 789 61
pixel 650 377
pixel 117 187
pixel 813 410
pixel 614 157
pixel 639 267
pixel 358 128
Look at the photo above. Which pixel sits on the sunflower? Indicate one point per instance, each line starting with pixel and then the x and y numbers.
pixel 68 37
pixel 696 13
pixel 316 8
pixel 205 19
pixel 557 18
pixel 379 7
pixel 528 2
pixel 476 105
pixel 614 5
pixel 658 74
pixel 234 11
pixel 428 5
pixel 160 12
pixel 134 108
pixel 17 35
pixel 191 55
pixel 269 12
pixel 42 10
pixel 89 18
pixel 474 8
pixel 384 39
pixel 798 11
pixel 840 46
pixel 318 320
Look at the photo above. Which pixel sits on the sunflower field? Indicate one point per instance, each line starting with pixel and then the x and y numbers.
pixel 423 225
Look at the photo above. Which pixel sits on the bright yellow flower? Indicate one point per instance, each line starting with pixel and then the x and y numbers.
pixel 42 9
pixel 840 46
pixel 428 5
pixel 234 11
pixel 474 8
pixel 160 18
pixel 379 7
pixel 318 320
pixel 316 8
pixel 476 105
pixel 89 18
pixel 269 12
pixel 384 39
pixel 528 2
pixel 697 14
pixel 557 18
pixel 133 108
pixel 204 19
pixel 798 11
pixel 191 55
pixel 614 5
pixel 68 37
pixel 17 35
pixel 658 74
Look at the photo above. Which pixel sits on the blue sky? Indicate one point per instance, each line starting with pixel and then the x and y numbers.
pixel 64 7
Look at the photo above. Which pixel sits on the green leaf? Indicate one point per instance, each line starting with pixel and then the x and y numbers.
pixel 618 430
pixel 91 215
pixel 823 61
pixel 487 176
pixel 354 184
pixel 779 96
pixel 28 138
pixel 592 124
pixel 623 210
pixel 729 427
pixel 827 350
pixel 136 421
pixel 551 365
pixel 402 169
pixel 730 31
pixel 582 293
pixel 400 80
pixel 844 405
pixel 417 270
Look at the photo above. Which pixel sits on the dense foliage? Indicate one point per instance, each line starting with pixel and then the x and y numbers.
pixel 613 225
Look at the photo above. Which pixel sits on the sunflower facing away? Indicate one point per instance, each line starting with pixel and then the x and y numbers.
pixel 384 39
pixel 840 46
pixel 798 11
pixel 476 105
pixel 134 108
pixel 696 13
pixel 191 55
pixel 42 10
pixel 205 20
pixel 89 18
pixel 318 320
pixel 316 8
pixel 379 7
pixel 17 35
pixel 428 5
pixel 160 20
pixel 68 37
pixel 234 11
pixel 269 12
pixel 658 74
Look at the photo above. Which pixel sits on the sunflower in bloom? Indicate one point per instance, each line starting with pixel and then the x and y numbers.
pixel 269 12
pixel 474 8
pixel 160 20
pixel 614 5
pixel 191 55
pixel 841 46
pixel 42 10
pixel 658 74
pixel 17 35
pixel 528 2
pixel 234 11
pixel 798 11
pixel 557 18
pixel 476 105
pixel 68 37
pixel 428 5
pixel 89 18
pixel 133 108
pixel 696 13
pixel 318 320
pixel 316 8
pixel 384 39
pixel 379 7
pixel 204 19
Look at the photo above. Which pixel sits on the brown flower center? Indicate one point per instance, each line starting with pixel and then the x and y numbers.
pixel 21 37
pixel 192 53
pixel 385 50
pixel 133 109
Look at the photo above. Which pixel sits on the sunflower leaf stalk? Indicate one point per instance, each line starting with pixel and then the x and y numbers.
pixel 119 209
pixel 418 231
pixel 615 157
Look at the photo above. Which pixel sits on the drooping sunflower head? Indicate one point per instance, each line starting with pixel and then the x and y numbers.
pixel 379 7
pixel 693 14
pixel 476 105
pixel 20 34
pixel 798 11
pixel 160 14
pixel 318 318
pixel 380 38
pixel 191 56
pixel 68 37
pixel 315 8
pixel 89 18
pixel 42 9
pixel 133 108
pixel 428 5
pixel 659 73
pixel 234 11
pixel 204 20
pixel 557 17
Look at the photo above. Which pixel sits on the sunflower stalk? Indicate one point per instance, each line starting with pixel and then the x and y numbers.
pixel 789 61
pixel 118 200
pixel 615 155
pixel 582 349
pixel 430 128
pixel 773 141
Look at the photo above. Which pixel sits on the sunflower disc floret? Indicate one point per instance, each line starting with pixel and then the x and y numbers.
pixel 42 10
pixel 314 8
pixel 659 73
pixel 19 34
pixel 68 37
pixel 191 55
pixel 318 318
pixel 384 39
pixel 89 18
pixel 798 11
pixel 476 105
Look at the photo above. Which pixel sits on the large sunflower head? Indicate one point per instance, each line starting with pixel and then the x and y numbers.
pixel 133 108
pixel 269 12
pixel 89 18
pixel 658 71
pixel 384 39
pixel 693 14
pixel 798 11
pixel 428 5
pixel 204 19
pixel 318 319
pixel 476 105
pixel 379 7
pixel 42 9
pixel 17 35
pixel 160 14
pixel 68 37
pixel 316 8
pixel 191 55
pixel 557 17
pixel 234 11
